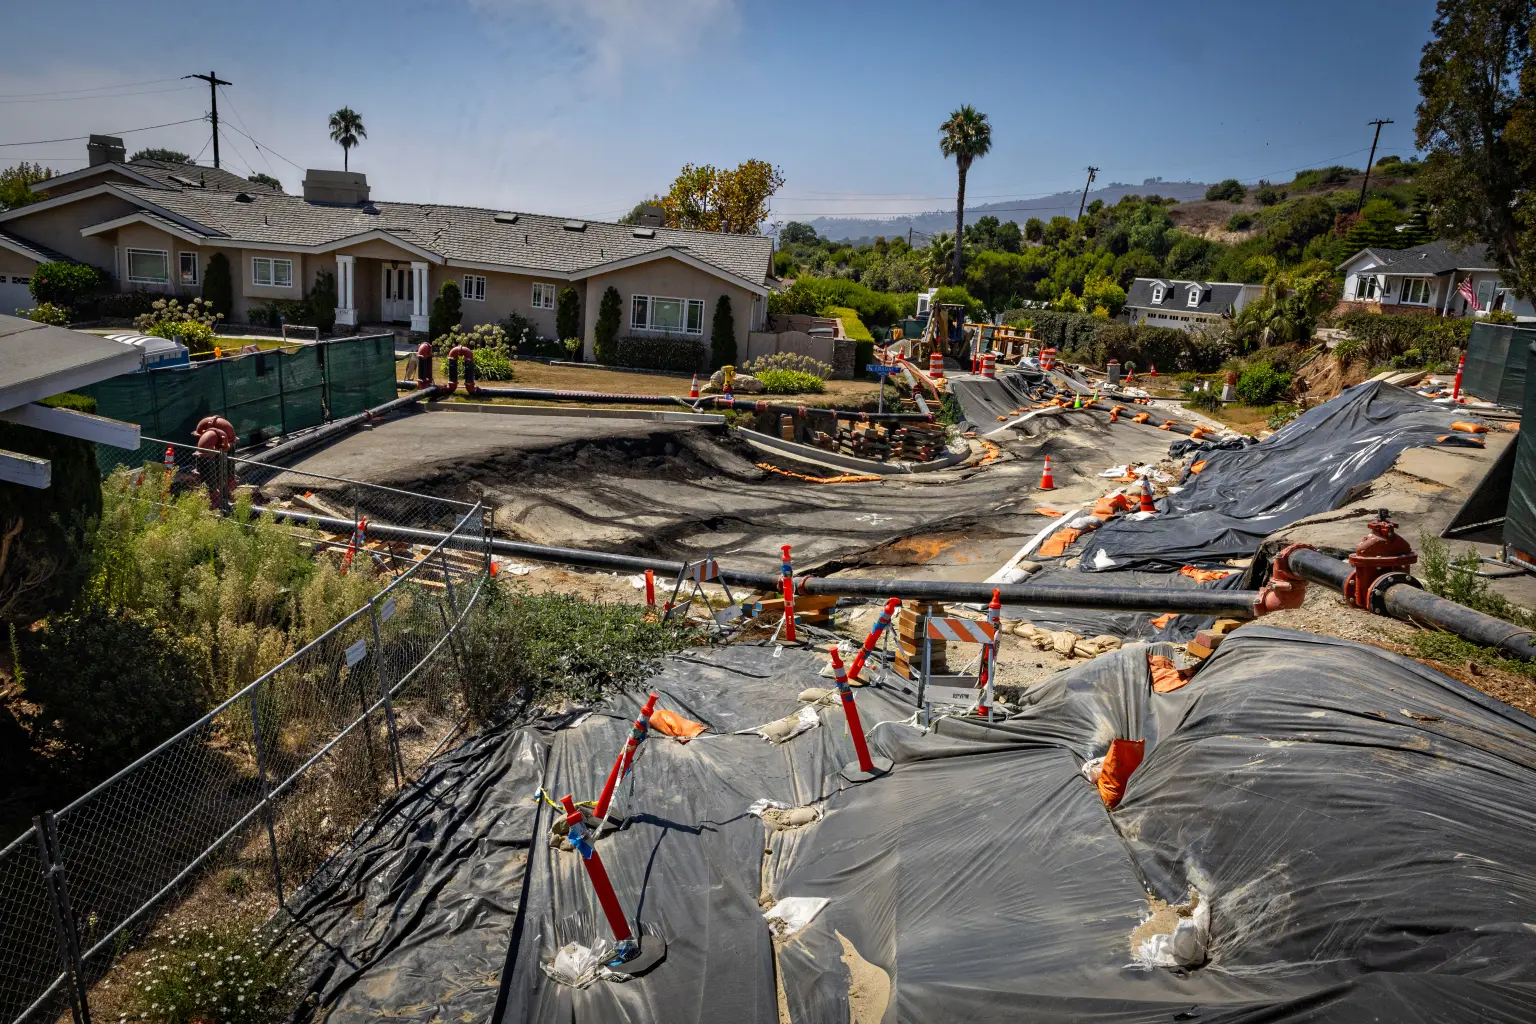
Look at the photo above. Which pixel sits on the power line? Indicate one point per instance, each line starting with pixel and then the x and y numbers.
pixel 120 131
pixel 214 81
pixel 94 88
pixel 268 149
pixel 103 96
pixel 247 134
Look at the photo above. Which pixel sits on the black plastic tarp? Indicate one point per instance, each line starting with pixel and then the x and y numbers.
pixel 1520 518
pixel 1358 823
pixel 1496 363
pixel 1123 624
pixel 1309 466
pixel 985 403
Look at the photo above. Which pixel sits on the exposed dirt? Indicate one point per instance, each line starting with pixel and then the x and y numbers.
pixel 1325 378
pixel 869 987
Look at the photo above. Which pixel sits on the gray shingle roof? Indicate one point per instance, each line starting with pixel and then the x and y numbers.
pixel 1433 258
pixel 217 178
pixel 1215 296
pixel 463 233
pixel 41 253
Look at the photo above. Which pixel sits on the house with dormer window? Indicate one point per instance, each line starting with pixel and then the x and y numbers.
pixel 1434 279
pixel 1160 302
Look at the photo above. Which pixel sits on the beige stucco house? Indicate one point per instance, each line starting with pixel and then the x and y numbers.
pixel 154 226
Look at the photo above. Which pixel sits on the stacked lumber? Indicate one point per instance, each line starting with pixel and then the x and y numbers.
pixel 912 442
pixel 810 610
pixel 909 641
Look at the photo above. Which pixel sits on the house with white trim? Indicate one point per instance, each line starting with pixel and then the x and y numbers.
pixel 1160 302
pixel 154 226
pixel 1430 279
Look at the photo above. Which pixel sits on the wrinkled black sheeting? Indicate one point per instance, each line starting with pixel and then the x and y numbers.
pixel 1090 622
pixel 418 912
pixel 1307 467
pixel 985 403
pixel 1189 446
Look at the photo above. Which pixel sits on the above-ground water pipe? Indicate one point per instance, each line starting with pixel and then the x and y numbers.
pixel 1231 603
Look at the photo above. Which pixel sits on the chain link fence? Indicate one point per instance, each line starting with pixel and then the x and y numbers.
pixel 280 775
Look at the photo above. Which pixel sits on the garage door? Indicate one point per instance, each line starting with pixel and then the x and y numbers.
pixel 14 295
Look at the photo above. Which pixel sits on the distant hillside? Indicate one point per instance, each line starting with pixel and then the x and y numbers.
pixel 1062 204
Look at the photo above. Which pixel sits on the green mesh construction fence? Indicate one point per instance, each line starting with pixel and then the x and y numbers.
pixel 1520 519
pixel 1496 363
pixel 264 394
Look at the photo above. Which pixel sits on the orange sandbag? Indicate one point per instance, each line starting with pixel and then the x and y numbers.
pixel 1166 676
pixel 1167 425
pixel 1161 622
pixel 1053 513
pixel 1057 543
pixel 1141 417
pixel 1124 757
pixel 1107 506
pixel 1197 467
pixel 1203 575
pixel 670 723
pixel 1469 428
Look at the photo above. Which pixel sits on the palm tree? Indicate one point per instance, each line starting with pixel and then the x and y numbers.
pixel 347 128
pixel 966 136
pixel 938 258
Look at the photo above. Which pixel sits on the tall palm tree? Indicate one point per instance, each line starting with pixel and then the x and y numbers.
pixel 966 136
pixel 938 258
pixel 347 128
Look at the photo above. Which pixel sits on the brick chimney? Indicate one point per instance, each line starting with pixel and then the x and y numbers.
pixel 106 149
pixel 345 188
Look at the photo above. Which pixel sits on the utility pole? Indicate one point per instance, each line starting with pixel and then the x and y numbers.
pixel 1370 160
pixel 1082 205
pixel 214 81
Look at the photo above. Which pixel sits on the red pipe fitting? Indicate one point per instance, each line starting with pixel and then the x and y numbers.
pixel 1285 588
pixel 423 365
pixel 1381 554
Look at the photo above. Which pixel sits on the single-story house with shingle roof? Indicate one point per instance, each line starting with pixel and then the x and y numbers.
pixel 154 226
pixel 1427 279
pixel 1160 302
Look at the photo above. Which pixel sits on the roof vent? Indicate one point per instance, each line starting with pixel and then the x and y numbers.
pixel 178 179
pixel 244 197
pixel 370 209
pixel 506 218
pixel 575 225
pixel 644 232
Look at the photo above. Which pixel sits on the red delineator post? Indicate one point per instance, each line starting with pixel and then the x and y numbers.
pixel 855 727
pixel 597 873
pixel 873 638
pixel 1456 389
pixel 789 594
pixel 626 757
pixel 989 654
pixel 650 588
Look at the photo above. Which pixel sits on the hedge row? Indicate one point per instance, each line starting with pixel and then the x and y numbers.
pixel 1382 336
pixel 1086 339
pixel 679 355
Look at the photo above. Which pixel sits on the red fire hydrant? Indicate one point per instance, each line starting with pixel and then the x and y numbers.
pixel 1379 555
pixel 423 365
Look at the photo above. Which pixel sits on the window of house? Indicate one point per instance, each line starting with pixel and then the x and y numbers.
pixel 674 316
pixel 1415 291
pixel 1194 297
pixel 543 295
pixel 149 266
pixel 1157 293
pixel 271 273
pixel 188 267
pixel 1365 287
pixel 474 287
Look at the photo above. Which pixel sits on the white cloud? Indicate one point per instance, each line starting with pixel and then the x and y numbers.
pixel 609 36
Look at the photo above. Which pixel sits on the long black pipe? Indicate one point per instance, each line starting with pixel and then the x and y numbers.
pixel 1409 603
pixel 1233 603
pixel 692 404
pixel 337 427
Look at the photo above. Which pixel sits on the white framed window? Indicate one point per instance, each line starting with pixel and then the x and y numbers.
pixel 1194 297
pixel 149 266
pixel 1415 291
pixel 543 295
pixel 188 267
pixel 672 316
pixel 268 272
pixel 1365 287
pixel 1157 293
pixel 474 287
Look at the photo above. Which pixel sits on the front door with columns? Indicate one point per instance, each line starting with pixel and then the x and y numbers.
pixel 404 295
pixel 346 290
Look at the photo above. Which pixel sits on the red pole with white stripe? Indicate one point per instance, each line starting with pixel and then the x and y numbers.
pixel 621 764
pixel 874 637
pixel 989 653
pixel 788 584
pixel 855 727
pixel 1456 389
pixel 606 897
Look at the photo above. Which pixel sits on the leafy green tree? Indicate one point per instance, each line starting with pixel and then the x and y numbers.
pixel 1058 230
pixel 796 233
pixel 1477 119
pixel 1231 189
pixel 170 156
pixel 996 278
pixel 16 184
pixel 64 283
pixel 1267 195
pixel 219 285
pixel 1134 264
pixel 605 333
pixel 568 314
pixel 347 130
pixel 722 335
pixel 1034 230
pixel 1099 290
pixel 988 234
pixel 447 311
pixel 267 180
pixel 966 136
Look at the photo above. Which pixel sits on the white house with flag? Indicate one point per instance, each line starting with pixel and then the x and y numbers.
pixel 1435 278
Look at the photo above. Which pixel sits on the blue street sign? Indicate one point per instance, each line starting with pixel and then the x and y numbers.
pixel 884 371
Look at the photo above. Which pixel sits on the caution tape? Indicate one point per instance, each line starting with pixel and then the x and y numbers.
pixel 846 478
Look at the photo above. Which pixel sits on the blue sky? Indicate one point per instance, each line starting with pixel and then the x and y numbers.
pixel 584 107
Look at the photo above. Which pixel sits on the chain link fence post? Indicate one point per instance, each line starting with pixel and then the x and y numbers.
pixel 63 917
pixel 396 759
pixel 266 793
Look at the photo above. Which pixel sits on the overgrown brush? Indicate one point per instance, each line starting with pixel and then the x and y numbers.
pixel 538 648
pixel 791 382
pixel 1455 579
pixel 229 974
pixel 793 361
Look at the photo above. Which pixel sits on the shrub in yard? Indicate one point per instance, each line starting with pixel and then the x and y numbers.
pixel 1240 222
pixel 109 686
pixel 1262 384
pixel 524 337
pixel 46 313
pixel 568 314
pixel 791 382
pixel 171 311
pixel 1384 335
pixel 1205 401
pixel 788 361
pixel 678 355
pixel 321 301
pixel 447 310
pixel 493 352
pixel 722 335
pixel 64 283
pixel 198 337
pixel 229 974
pixel 605 333
pixel 219 285
pixel 853 327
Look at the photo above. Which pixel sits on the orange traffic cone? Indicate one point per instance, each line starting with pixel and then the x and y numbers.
pixel 1146 495
pixel 1153 369
pixel 693 389
pixel 1047 482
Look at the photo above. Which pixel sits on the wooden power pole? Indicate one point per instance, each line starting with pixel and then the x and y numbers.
pixel 214 81
pixel 1082 205
pixel 1370 160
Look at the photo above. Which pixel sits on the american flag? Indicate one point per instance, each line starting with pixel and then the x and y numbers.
pixel 1465 291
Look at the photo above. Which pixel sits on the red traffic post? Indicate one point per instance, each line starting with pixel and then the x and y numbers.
pixel 1456 389
pixel 650 588
pixel 626 758
pixel 632 956
pixel 989 654
pixel 874 637
pixel 788 584
pixel 866 767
